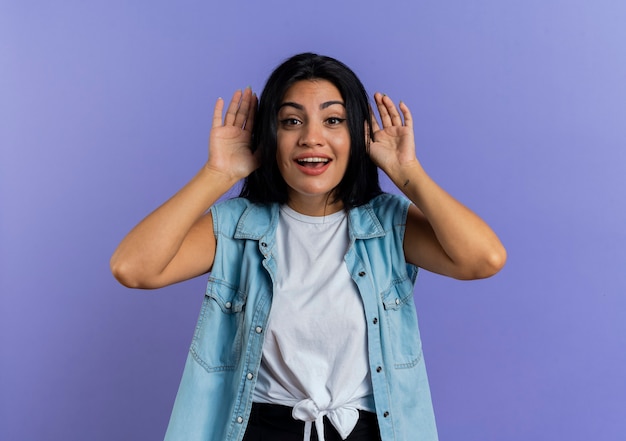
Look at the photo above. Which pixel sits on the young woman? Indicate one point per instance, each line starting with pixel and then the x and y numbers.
pixel 308 328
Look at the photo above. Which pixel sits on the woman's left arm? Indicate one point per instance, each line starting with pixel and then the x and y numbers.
pixel 442 235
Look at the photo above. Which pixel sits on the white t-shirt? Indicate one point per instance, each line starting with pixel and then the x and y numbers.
pixel 315 349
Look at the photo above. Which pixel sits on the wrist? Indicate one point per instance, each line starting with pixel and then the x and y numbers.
pixel 402 175
pixel 227 177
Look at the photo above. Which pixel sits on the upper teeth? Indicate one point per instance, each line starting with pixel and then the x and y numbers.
pixel 313 160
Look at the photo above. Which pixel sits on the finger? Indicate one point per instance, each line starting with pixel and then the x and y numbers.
pixel 249 123
pixel 244 106
pixel 408 118
pixel 231 112
pixel 375 126
pixel 385 119
pixel 396 119
pixel 217 112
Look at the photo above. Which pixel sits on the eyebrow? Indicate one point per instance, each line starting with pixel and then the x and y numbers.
pixel 301 107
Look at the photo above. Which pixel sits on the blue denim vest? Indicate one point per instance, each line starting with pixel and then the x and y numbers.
pixel 215 394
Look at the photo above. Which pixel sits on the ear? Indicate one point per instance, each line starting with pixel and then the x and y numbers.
pixel 371 126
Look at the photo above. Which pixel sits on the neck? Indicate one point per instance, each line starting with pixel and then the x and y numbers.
pixel 315 206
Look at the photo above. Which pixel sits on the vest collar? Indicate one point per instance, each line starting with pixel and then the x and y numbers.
pixel 363 223
pixel 258 220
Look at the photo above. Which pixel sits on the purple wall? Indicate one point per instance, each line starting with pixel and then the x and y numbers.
pixel 521 111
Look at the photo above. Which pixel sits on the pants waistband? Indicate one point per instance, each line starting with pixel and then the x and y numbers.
pixel 273 419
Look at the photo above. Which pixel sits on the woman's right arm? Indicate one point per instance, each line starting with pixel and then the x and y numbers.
pixel 176 241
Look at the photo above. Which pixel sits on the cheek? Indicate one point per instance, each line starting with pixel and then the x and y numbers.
pixel 343 144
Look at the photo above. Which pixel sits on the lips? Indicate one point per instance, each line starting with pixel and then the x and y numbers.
pixel 312 165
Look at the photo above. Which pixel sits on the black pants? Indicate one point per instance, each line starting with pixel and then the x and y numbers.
pixel 271 422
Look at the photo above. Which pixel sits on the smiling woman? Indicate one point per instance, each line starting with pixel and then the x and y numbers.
pixel 313 145
pixel 308 327
pixel 316 73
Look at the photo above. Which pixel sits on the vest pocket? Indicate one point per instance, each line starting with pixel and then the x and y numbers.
pixel 401 319
pixel 218 337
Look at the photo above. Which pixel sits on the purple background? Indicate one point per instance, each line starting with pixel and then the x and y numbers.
pixel 521 110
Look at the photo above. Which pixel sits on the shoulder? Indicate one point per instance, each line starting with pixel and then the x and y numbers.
pixel 228 212
pixel 382 215
pixel 233 215
pixel 231 206
pixel 390 209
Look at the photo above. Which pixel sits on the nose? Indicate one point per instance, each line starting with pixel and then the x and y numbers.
pixel 311 135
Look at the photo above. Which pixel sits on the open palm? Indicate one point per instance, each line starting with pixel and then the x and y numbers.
pixel 230 142
pixel 393 145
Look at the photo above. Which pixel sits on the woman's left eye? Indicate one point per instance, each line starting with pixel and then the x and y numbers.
pixel 335 120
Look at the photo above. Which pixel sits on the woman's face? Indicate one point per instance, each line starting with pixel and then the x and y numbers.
pixel 313 145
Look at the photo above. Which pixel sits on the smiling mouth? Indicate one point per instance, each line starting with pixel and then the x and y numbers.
pixel 313 162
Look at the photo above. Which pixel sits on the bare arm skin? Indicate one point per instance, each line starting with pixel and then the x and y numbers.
pixel 176 241
pixel 442 235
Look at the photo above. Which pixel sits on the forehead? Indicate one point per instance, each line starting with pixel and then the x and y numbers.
pixel 313 91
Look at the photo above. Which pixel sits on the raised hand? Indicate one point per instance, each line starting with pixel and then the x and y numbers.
pixel 230 141
pixel 176 242
pixel 393 145
pixel 442 235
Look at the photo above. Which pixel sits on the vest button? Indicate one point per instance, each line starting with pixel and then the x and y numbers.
pixel 375 320
pixel 362 273
pixel 249 376
pixel 378 369
pixel 239 420
pixel 386 414
pixel 228 305
pixel 258 329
